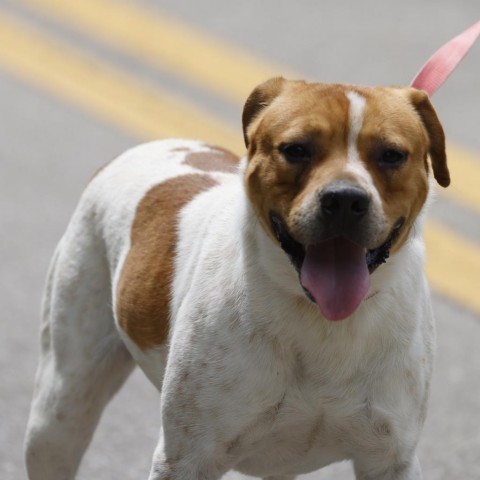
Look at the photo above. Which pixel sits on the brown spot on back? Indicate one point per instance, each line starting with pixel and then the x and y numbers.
pixel 144 288
pixel 214 160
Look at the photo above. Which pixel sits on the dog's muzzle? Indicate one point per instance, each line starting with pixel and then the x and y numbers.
pixel 334 270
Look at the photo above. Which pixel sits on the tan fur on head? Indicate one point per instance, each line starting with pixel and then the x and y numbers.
pixel 279 112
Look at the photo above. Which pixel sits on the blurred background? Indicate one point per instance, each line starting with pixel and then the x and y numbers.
pixel 82 80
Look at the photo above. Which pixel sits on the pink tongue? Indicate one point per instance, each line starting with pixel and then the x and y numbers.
pixel 335 273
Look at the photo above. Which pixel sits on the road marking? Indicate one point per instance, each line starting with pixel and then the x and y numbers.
pixel 226 70
pixel 465 172
pixel 453 265
pixel 119 99
pixel 107 92
pixel 163 41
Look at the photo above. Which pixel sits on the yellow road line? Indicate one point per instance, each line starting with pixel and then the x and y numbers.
pixel 453 265
pixel 465 171
pixel 107 92
pixel 161 40
pixel 112 95
pixel 224 69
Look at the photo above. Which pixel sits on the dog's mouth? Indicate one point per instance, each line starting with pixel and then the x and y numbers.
pixel 334 273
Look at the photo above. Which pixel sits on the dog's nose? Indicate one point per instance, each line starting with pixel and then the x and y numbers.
pixel 344 203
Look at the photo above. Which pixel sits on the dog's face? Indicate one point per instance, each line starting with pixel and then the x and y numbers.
pixel 337 175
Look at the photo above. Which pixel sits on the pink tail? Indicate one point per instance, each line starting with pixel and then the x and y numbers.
pixel 444 61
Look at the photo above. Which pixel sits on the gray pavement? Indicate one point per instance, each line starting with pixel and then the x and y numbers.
pixel 49 150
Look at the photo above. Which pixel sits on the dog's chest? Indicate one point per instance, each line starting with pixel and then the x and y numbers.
pixel 293 399
pixel 337 407
pixel 312 427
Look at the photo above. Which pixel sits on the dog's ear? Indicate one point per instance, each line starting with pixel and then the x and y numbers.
pixel 260 98
pixel 436 136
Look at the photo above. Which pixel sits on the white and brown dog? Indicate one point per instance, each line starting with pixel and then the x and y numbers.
pixel 255 294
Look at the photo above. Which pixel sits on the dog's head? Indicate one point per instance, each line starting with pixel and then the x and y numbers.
pixel 337 175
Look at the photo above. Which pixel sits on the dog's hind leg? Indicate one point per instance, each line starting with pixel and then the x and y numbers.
pixel 83 361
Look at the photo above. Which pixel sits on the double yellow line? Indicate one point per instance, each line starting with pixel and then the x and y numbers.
pixel 107 92
pixel 161 40
pixel 121 99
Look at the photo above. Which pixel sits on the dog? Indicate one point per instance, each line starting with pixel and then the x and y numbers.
pixel 277 302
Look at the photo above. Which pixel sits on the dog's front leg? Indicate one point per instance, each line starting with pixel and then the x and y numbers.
pixel 189 445
pixel 175 463
pixel 402 471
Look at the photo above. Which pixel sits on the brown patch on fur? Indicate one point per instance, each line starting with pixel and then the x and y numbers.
pixel 143 291
pixel 214 160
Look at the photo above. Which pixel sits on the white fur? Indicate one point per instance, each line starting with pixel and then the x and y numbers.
pixel 355 166
pixel 255 379
pixel 355 115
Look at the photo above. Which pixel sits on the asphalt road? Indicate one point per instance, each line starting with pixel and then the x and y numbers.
pixel 75 91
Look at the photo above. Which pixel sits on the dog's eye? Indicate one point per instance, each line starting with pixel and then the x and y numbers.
pixel 295 152
pixel 392 158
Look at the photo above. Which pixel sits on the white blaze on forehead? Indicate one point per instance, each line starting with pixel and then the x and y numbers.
pixel 355 121
pixel 356 114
